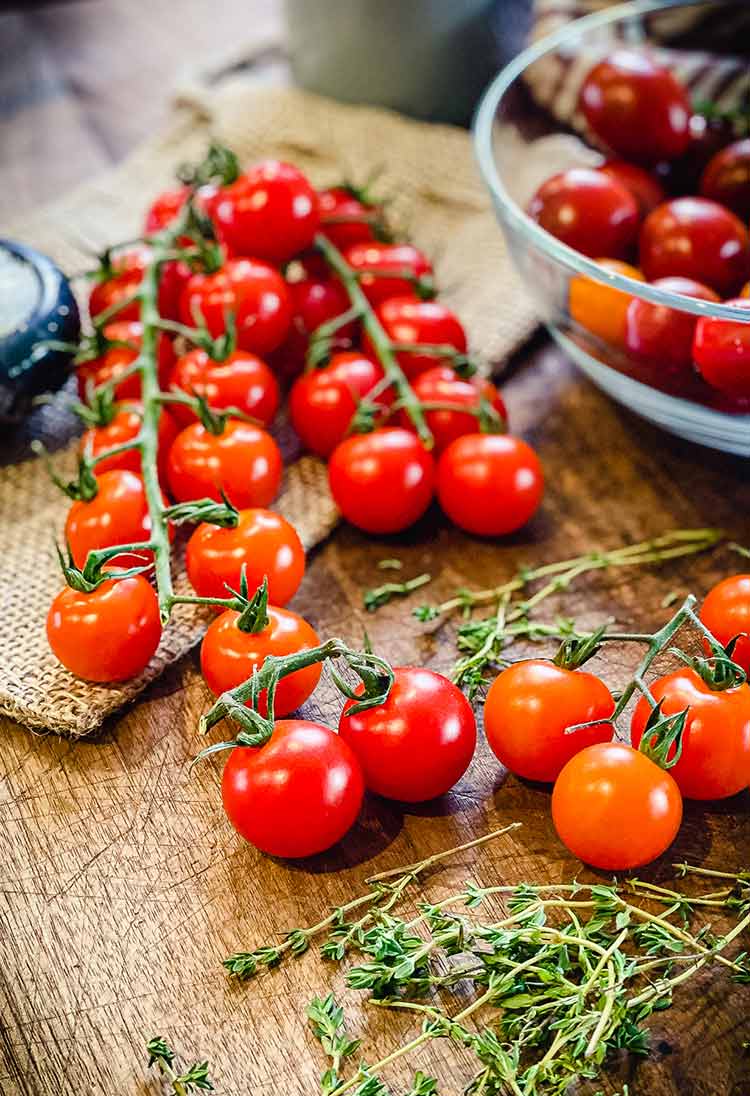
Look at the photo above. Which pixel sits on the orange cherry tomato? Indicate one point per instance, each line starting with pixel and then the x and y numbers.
pixel 242 381
pixel 601 309
pixel 124 427
pixel 117 359
pixel 243 461
pixel 726 614
pixel 117 514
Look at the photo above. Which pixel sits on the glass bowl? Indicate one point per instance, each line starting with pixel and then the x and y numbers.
pixel 519 144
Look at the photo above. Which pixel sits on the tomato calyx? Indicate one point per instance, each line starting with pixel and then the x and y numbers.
pixel 94 572
pixel 576 650
pixel 323 342
pixel 206 511
pixel 662 735
pixel 81 489
pixel 219 166
pixel 101 408
pixel 253 610
pixel 718 670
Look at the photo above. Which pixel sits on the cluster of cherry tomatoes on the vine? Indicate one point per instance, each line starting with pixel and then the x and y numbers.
pixel 672 209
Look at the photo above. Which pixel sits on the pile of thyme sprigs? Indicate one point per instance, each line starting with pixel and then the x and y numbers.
pixel 541 982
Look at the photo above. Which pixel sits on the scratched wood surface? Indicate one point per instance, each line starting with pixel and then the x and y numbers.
pixel 121 884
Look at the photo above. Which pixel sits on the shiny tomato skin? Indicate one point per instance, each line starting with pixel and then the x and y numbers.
pixel 409 320
pixel 636 107
pixel 164 208
pixel 244 461
pixel 117 359
pixel 118 514
pixel 530 706
pixel 323 401
pixel 109 634
pixel 489 484
pixel 643 185
pixel 229 656
pixel 419 743
pixel 442 385
pixel 389 260
pixel 314 301
pixel 254 291
pixel 344 218
pixel 599 308
pixel 726 614
pixel 298 794
pixel 721 351
pixel 589 211
pixel 124 427
pixel 715 759
pixel 695 238
pixel 270 212
pixel 726 178
pixel 614 808
pixel 242 381
pixel 264 542
pixel 655 332
pixel 382 482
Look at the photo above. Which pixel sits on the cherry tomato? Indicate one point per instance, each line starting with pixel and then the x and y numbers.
pixel 124 427
pixel 296 795
pixel 599 308
pixel 264 542
pixel 229 656
pixel 698 239
pixel 726 614
pixel 721 350
pixel 715 759
pixel 419 743
pixel 489 484
pixel 128 267
pixel 167 205
pixel 242 381
pixel 344 219
pixel 323 401
pixel 408 320
pixel 655 332
pixel 117 359
pixel 382 482
pixel 243 461
pixel 529 708
pixel 109 634
pixel 441 385
pixel 645 187
pixel 727 178
pixel 388 263
pixel 707 137
pixel 314 302
pixel 589 211
pixel 253 291
pixel 117 514
pixel 637 107
pixel 745 291
pixel 614 808
pixel 270 212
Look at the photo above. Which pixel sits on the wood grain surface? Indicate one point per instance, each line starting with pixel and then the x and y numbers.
pixel 122 885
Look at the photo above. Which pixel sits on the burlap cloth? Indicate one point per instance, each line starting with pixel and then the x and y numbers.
pixel 430 175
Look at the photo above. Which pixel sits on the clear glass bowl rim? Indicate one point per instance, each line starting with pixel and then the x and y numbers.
pixel 533 233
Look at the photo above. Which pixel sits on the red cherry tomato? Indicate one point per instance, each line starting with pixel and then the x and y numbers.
pixel 267 546
pixel 109 634
pixel 726 614
pixel 637 107
pixel 655 332
pixel 270 212
pixel 323 401
pixel 117 359
pixel 243 461
pixel 117 514
pixel 382 482
pixel 419 743
pixel 253 291
pixel 408 320
pixel 388 270
pixel 314 302
pixel 167 205
pixel 128 269
pixel 530 707
pixel 489 484
pixel 721 350
pixel 707 137
pixel 614 808
pixel 645 187
pixel 698 239
pixel 727 178
pixel 229 656
pixel 715 759
pixel 242 381
pixel 589 211
pixel 344 219
pixel 124 427
pixel 441 385
pixel 298 794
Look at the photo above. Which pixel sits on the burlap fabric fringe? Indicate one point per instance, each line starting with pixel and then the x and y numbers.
pixel 427 171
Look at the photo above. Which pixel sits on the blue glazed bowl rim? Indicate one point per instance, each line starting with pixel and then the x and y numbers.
pixel 513 214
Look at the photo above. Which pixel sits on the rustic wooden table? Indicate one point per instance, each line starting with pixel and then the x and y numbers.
pixel 122 885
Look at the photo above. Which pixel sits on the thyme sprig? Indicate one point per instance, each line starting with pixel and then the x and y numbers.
pixel 378 596
pixel 193 1079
